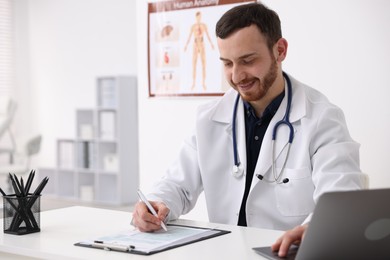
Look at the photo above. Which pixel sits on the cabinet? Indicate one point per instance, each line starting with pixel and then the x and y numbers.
pixel 101 163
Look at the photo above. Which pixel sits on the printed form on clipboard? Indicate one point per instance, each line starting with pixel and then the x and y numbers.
pixel 145 243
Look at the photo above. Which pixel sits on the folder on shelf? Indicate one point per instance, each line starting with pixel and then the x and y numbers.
pixel 66 154
pixel 82 155
pixel 107 125
pixel 144 243
pixel 107 93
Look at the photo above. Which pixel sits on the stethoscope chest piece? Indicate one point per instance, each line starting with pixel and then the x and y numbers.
pixel 237 171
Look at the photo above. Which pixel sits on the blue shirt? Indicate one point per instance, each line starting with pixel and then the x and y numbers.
pixel 255 129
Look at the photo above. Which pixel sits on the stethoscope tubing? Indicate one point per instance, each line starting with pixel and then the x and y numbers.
pixel 236 162
pixel 286 118
pixel 285 121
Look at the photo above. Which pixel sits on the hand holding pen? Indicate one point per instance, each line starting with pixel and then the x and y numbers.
pixel 142 220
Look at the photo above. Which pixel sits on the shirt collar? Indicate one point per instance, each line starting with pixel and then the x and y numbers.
pixel 270 110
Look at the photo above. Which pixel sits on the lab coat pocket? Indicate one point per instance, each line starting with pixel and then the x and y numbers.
pixel 295 198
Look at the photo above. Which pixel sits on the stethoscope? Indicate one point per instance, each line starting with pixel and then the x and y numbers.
pixel 237 170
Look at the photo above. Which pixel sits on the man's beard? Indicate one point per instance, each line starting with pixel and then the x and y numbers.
pixel 264 85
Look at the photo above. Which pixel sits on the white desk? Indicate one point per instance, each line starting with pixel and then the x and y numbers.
pixel 61 228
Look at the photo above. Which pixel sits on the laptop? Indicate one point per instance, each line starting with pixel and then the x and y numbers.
pixel 345 225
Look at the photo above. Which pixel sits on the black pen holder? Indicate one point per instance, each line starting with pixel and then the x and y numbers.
pixel 21 214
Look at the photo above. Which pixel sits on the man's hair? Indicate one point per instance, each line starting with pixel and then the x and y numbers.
pixel 266 20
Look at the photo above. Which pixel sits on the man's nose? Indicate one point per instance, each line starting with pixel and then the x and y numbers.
pixel 237 74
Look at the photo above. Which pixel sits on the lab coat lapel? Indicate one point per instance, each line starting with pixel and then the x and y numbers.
pixel 223 113
pixel 241 136
pixel 298 110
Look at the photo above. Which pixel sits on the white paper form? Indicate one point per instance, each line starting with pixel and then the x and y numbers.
pixel 154 241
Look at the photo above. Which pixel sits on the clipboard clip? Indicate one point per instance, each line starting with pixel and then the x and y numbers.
pixel 112 246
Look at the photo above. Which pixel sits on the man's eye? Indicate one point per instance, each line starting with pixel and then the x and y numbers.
pixel 247 61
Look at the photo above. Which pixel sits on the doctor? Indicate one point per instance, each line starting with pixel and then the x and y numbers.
pixel 230 156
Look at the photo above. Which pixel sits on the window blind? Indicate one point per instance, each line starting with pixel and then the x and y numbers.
pixel 6 48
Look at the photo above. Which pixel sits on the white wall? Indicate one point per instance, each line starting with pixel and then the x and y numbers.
pixel 63 45
pixel 338 47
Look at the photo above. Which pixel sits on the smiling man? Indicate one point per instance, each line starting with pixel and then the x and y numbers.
pixel 265 151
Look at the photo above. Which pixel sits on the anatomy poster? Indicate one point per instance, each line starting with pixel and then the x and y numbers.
pixel 183 54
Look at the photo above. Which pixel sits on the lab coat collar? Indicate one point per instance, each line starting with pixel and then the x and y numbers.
pixel 223 111
pixel 298 103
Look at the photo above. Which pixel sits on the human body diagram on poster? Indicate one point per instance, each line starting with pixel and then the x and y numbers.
pixel 198 30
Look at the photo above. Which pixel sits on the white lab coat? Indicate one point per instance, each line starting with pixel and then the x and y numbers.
pixel 323 157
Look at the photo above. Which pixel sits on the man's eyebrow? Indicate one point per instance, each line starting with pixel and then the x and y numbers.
pixel 241 57
pixel 223 59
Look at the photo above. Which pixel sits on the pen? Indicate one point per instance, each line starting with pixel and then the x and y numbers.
pixel 29 181
pixel 112 246
pixel 151 209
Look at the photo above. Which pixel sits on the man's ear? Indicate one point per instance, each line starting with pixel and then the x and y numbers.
pixel 280 49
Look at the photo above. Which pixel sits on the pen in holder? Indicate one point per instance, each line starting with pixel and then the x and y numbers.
pixel 22 209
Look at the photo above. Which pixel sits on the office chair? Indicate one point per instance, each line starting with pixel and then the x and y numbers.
pixel 21 166
pixel 7 114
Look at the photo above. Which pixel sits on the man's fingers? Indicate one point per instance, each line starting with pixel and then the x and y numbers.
pixel 146 221
pixel 143 219
pixel 293 236
pixel 276 245
pixel 285 245
pixel 161 209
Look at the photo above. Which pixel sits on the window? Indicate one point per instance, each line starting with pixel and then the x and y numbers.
pixel 6 48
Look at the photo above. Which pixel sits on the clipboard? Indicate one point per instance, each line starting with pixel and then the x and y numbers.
pixel 131 242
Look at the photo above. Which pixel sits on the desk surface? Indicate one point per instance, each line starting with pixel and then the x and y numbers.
pixel 61 228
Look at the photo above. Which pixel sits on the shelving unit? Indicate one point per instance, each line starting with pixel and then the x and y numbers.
pixel 101 163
